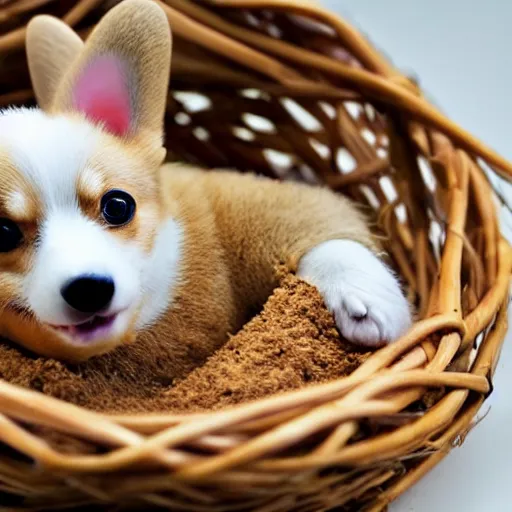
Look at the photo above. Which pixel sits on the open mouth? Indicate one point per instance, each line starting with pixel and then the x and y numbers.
pixel 92 329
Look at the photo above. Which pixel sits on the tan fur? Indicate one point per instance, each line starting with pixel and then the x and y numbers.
pixel 261 223
pixel 14 183
pixel 237 228
pixel 51 48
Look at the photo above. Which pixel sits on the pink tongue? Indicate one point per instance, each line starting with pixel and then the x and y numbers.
pixel 92 324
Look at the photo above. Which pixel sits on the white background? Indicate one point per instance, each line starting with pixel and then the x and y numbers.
pixel 461 52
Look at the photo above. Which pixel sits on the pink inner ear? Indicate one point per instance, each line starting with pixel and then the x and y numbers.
pixel 101 93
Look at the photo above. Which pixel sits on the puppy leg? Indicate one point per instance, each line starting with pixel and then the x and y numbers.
pixel 322 236
pixel 359 289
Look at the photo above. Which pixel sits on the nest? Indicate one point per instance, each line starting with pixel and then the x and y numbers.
pixel 291 91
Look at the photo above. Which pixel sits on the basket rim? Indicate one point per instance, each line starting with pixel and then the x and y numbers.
pixel 368 370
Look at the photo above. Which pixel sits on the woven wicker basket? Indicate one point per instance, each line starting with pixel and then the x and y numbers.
pixel 289 90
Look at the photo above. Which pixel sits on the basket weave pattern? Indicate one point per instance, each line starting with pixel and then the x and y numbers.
pixel 288 90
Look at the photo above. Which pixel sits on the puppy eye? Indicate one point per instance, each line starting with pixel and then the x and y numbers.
pixel 117 207
pixel 10 235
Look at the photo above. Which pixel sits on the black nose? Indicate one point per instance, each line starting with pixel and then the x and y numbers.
pixel 89 293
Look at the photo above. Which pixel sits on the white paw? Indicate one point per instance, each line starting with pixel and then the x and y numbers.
pixel 359 289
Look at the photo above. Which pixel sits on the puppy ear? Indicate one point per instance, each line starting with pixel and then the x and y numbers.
pixel 51 47
pixel 121 79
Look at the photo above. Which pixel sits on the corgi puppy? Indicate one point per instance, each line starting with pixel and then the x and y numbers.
pixel 101 244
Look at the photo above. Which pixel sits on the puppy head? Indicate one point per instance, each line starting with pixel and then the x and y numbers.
pixel 81 220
